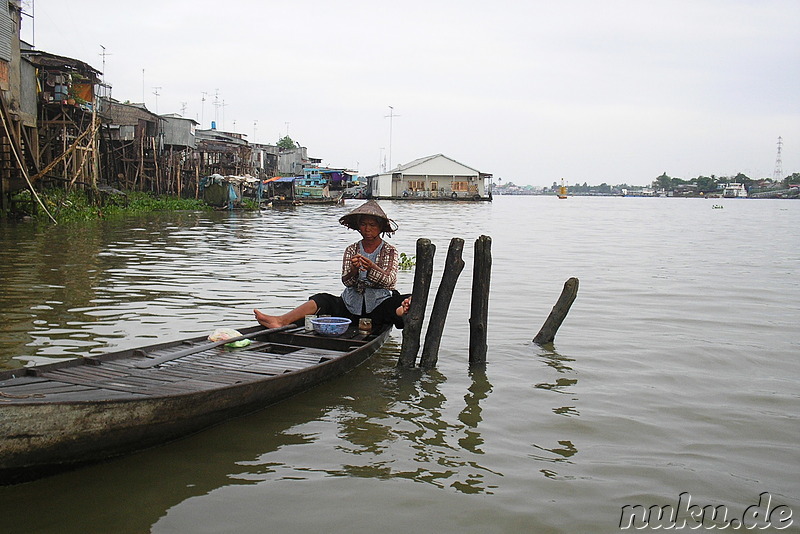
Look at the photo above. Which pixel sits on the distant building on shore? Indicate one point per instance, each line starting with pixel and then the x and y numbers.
pixel 436 177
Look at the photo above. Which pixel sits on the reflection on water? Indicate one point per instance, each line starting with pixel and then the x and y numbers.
pixel 394 427
pixel 688 396
pixel 563 385
pixel 471 414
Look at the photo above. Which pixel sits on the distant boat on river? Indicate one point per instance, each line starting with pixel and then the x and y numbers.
pixel 734 190
pixel 562 191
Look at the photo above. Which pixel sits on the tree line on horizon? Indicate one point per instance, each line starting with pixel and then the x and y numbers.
pixel 709 184
pixel 700 184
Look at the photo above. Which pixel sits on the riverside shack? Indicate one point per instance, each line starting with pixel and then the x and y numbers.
pixel 132 133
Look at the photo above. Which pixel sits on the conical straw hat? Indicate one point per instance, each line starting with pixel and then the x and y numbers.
pixel 370 207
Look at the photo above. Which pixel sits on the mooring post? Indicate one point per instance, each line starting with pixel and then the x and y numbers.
pixel 419 301
pixel 479 311
pixel 559 312
pixel 453 266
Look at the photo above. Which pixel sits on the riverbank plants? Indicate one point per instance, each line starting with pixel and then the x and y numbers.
pixel 82 205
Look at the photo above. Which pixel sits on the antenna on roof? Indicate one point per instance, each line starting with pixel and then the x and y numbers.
pixel 202 107
pixel 155 92
pixel 103 54
pixel 216 105
pixel 223 115
pixel 29 3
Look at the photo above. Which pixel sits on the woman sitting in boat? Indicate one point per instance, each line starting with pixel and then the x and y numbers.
pixel 369 273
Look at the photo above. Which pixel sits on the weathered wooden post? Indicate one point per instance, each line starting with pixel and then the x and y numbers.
pixel 419 301
pixel 479 311
pixel 548 332
pixel 452 269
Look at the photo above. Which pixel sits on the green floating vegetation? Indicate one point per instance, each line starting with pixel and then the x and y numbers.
pixel 82 205
pixel 407 262
pixel 250 204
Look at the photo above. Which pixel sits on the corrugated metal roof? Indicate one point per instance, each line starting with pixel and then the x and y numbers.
pixel 46 59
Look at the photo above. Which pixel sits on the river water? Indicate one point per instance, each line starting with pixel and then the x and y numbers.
pixel 676 371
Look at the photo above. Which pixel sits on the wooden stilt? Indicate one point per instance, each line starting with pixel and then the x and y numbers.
pixel 479 311
pixel 419 302
pixel 452 269
pixel 157 172
pixel 559 312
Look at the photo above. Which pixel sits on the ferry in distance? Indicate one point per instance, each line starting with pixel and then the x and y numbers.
pixel 734 190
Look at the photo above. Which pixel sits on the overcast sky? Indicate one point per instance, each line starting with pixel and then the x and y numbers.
pixel 615 91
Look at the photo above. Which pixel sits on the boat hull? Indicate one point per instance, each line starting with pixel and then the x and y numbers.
pixel 39 437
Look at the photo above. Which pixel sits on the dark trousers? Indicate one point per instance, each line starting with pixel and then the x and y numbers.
pixel 383 314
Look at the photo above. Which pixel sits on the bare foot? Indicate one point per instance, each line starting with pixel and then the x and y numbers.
pixel 403 308
pixel 270 321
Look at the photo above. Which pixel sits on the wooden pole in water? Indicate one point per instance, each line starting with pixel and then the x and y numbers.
pixel 419 301
pixel 479 311
pixel 559 312
pixel 452 269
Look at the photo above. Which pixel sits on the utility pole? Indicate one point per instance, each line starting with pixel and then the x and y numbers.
pixel 183 109
pixel 777 175
pixel 255 124
pixel 391 116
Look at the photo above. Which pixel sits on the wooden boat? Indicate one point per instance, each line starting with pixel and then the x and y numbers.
pixel 61 415
pixel 297 190
pixel 336 197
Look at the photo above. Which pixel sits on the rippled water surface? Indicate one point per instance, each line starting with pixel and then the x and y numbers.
pixel 676 370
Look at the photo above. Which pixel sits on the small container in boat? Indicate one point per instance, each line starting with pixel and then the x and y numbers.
pixel 309 326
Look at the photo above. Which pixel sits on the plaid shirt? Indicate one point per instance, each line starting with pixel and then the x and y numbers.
pixel 385 277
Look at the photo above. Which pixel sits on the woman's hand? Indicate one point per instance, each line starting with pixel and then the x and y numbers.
pixel 362 263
